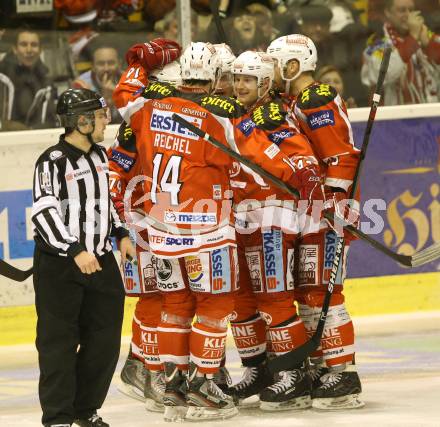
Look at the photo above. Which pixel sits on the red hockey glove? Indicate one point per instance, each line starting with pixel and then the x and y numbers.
pixel 155 54
pixel 337 203
pixel 310 187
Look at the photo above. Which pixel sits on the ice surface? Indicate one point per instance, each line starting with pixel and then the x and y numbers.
pixel 400 374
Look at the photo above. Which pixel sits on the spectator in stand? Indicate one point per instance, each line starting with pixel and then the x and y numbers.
pixel 102 78
pixel 242 33
pixel 414 69
pixel 264 21
pixel 341 48
pixel 168 26
pixel 33 97
pixel 331 75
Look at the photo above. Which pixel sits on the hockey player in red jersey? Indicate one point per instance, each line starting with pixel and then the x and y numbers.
pixel 224 83
pixel 267 223
pixel 190 228
pixel 322 115
pixel 142 375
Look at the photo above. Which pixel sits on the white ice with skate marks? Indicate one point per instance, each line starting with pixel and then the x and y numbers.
pixel 400 374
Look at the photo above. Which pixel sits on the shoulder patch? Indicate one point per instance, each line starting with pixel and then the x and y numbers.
pixel 222 106
pixel 158 90
pixel 278 137
pixel 52 154
pixel 269 116
pixel 126 138
pixel 320 119
pixel 55 154
pixel 316 96
pixel 246 126
pixel 122 159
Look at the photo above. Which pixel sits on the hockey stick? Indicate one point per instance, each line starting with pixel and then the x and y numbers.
pixel 420 258
pixel 215 6
pixel 18 275
pixel 14 273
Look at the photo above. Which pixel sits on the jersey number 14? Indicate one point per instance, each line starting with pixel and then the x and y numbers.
pixel 169 181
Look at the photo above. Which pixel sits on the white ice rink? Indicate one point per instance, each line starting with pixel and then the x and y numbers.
pixel 398 359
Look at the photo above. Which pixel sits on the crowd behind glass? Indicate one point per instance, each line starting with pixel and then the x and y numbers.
pixel 81 43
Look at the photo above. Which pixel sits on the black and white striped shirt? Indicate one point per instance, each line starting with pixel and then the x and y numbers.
pixel 72 209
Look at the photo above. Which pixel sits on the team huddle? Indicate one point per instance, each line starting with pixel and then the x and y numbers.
pixel 218 244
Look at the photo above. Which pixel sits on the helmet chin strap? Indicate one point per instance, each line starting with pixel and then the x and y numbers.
pixel 88 135
pixel 260 99
pixel 215 81
pixel 262 95
pixel 288 80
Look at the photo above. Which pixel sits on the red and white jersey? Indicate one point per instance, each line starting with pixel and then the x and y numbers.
pixel 323 118
pixel 257 202
pixel 189 204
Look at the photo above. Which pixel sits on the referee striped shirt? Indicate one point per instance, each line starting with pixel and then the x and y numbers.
pixel 72 209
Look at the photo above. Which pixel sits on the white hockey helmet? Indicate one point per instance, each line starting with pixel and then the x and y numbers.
pixel 170 73
pixel 257 64
pixel 294 46
pixel 200 61
pixel 226 56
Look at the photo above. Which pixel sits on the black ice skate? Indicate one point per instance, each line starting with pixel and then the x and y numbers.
pixel 340 389
pixel 205 399
pixel 254 380
pixel 223 379
pixel 94 421
pixel 174 398
pixel 292 391
pixel 133 378
pixel 154 391
pixel 316 371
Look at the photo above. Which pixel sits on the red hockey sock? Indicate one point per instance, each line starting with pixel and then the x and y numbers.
pixel 207 347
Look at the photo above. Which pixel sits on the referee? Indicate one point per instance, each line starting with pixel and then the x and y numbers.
pixel 79 295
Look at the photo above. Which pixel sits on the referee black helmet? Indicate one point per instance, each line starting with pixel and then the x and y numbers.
pixel 74 103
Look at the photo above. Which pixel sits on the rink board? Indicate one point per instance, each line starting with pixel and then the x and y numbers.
pixel 365 297
pixel 402 168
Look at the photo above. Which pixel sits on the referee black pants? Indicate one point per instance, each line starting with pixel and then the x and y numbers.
pixel 78 334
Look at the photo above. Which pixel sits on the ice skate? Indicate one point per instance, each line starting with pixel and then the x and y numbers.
pixel 94 421
pixel 340 389
pixel 254 380
pixel 316 371
pixel 205 399
pixel 222 379
pixel 154 391
pixel 133 378
pixel 174 399
pixel 292 391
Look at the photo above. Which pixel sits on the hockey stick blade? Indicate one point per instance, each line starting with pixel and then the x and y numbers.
pixel 418 259
pixel 426 255
pixel 14 273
